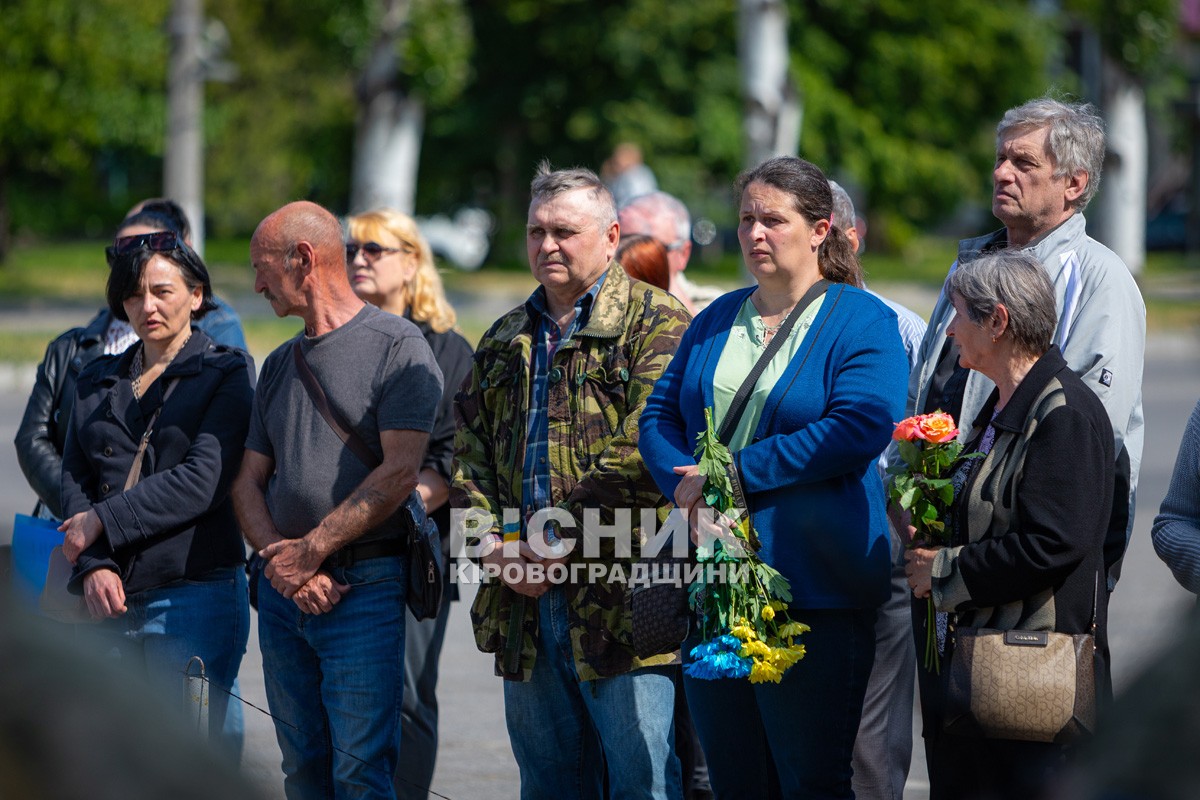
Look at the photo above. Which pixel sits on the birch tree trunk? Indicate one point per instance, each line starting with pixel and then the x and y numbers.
pixel 183 161
pixel 390 123
pixel 771 123
pixel 1120 206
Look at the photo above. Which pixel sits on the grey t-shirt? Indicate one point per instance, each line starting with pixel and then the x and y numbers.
pixel 379 374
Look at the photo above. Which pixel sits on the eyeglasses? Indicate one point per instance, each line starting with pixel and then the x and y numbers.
pixel 157 242
pixel 371 250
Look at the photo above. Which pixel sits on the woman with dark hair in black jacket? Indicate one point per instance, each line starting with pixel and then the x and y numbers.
pixel 42 433
pixel 154 441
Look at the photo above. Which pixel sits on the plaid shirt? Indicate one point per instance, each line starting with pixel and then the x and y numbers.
pixel 547 337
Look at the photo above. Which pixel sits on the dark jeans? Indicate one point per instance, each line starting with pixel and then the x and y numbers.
pixel 793 739
pixel 419 710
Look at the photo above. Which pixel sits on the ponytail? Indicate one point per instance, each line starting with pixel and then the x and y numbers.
pixel 837 260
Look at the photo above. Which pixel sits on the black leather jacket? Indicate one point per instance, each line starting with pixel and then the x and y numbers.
pixel 43 431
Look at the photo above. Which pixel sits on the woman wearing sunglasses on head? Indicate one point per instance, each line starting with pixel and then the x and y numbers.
pixel 42 433
pixel 390 266
pixel 154 441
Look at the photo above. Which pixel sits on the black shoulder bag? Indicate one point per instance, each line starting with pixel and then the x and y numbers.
pixel 660 612
pixel 424 548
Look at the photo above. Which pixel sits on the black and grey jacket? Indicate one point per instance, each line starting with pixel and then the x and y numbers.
pixel 1033 515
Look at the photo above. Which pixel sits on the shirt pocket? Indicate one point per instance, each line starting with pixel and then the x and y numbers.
pixel 600 399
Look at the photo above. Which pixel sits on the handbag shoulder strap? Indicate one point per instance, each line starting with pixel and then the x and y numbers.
pixel 740 400
pixel 351 439
pixel 135 470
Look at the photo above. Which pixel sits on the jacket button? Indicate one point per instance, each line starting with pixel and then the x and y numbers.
pixel 483 384
pixel 624 374
pixel 556 375
pixel 108 451
pixel 580 378
pixel 104 488
pixel 108 413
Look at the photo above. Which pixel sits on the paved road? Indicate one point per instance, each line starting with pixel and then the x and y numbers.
pixel 476 761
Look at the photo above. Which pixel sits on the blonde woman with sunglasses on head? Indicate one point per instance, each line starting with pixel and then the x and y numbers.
pixel 390 265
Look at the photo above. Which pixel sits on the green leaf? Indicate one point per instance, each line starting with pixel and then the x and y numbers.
pixel 910 453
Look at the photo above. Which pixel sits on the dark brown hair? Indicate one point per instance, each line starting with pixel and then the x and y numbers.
pixel 813 200
pixel 125 277
pixel 644 259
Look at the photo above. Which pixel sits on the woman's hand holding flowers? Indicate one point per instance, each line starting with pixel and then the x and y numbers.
pixel 918 566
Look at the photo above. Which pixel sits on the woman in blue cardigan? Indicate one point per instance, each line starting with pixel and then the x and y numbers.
pixel 804 453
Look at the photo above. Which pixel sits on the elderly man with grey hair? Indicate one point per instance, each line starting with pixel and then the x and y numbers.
pixel 665 218
pixel 548 437
pixel 1049 156
pixel 883 748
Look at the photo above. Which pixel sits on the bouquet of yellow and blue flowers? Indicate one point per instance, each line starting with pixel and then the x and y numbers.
pixel 742 606
pixel 929 447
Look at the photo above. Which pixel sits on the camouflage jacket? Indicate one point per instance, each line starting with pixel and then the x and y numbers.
pixel 600 380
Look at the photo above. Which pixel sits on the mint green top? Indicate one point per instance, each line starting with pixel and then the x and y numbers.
pixel 741 352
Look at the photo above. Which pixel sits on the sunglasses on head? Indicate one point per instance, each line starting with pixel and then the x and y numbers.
pixel 371 250
pixel 158 242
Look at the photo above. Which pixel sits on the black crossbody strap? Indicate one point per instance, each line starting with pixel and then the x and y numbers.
pixel 352 440
pixel 740 400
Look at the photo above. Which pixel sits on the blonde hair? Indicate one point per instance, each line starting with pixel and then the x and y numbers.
pixel 424 297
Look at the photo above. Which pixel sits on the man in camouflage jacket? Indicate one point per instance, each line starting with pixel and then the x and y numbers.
pixel 549 418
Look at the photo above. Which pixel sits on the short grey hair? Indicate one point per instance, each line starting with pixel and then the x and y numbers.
pixel 548 183
pixel 843 207
pixel 661 204
pixel 1018 281
pixel 1076 138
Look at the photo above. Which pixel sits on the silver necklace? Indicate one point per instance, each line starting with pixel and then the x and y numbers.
pixel 136 369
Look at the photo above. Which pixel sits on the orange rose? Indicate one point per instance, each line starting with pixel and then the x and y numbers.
pixel 908 430
pixel 937 428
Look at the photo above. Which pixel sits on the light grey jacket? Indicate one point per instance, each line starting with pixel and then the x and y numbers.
pixel 1101 332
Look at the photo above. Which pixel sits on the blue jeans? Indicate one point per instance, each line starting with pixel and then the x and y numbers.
pixel 209 617
pixel 334 683
pixel 793 739
pixel 562 731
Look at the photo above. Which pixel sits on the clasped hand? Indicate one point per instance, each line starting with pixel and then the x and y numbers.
pixel 294 570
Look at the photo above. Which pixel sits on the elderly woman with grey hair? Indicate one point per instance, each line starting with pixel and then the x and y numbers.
pixel 1028 520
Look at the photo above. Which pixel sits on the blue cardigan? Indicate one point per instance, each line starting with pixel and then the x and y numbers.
pixel 809 473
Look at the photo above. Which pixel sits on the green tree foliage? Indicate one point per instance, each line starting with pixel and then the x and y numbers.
pixel 284 129
pixel 899 98
pixel 81 109
pixel 568 79
pixel 903 98
pixel 1137 33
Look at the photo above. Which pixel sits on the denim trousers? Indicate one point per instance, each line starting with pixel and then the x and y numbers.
pixel 564 731
pixel 334 683
pixel 163 628
pixel 793 739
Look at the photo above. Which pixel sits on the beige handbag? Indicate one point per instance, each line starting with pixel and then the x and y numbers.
pixel 1031 685
pixel 1036 686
